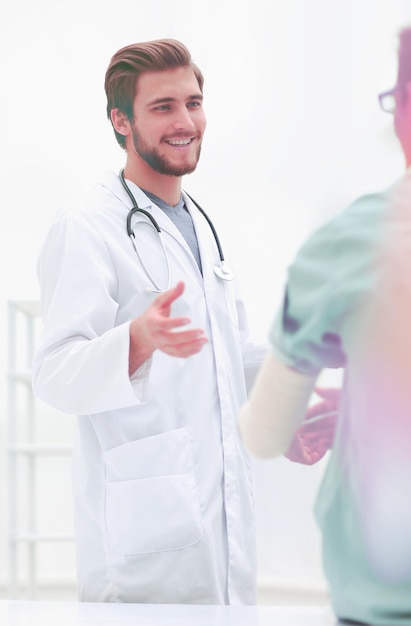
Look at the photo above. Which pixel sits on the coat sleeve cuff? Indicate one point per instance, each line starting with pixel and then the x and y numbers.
pixel 140 380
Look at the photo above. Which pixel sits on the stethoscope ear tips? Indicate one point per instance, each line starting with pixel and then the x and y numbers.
pixel 148 290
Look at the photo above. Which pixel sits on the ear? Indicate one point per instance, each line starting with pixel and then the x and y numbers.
pixel 120 122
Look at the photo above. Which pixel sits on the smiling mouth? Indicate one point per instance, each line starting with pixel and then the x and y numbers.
pixel 180 142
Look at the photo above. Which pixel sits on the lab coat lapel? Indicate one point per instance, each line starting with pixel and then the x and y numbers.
pixel 206 241
pixel 112 181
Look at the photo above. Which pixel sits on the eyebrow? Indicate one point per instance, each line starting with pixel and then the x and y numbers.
pixel 198 96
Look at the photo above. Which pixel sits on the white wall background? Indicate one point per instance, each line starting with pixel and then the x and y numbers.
pixel 294 134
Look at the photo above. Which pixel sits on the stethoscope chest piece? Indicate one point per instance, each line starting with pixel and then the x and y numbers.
pixel 223 271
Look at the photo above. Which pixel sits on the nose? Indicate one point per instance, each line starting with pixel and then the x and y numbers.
pixel 183 119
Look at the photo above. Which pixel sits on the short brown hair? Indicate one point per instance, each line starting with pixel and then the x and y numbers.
pixel 128 63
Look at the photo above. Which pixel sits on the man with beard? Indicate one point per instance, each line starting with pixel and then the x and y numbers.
pixel 145 340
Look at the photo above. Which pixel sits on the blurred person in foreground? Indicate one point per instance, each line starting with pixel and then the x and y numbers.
pixel 348 305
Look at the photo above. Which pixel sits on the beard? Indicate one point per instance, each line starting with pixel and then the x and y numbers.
pixel 160 163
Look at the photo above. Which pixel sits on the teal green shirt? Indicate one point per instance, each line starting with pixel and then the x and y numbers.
pixel 321 324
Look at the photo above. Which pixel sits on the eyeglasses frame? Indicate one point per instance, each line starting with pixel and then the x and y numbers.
pixel 389 92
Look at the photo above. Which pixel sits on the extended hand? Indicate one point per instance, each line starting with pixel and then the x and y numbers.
pixel 312 440
pixel 155 330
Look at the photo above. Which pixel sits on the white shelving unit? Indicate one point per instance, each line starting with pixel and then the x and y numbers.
pixel 25 449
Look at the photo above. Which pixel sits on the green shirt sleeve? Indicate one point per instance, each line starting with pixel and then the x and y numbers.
pixel 332 273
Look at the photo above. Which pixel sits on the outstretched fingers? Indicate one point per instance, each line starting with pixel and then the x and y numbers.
pixel 183 343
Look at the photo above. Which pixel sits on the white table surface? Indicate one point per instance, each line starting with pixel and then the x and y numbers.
pixel 40 613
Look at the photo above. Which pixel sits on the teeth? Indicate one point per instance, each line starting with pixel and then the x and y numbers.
pixel 179 142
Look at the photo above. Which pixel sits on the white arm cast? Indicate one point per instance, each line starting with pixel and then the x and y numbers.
pixel 275 408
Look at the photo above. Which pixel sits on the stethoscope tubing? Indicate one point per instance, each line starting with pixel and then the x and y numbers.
pixel 148 215
pixel 221 270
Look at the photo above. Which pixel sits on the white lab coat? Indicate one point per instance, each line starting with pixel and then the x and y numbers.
pixel 163 494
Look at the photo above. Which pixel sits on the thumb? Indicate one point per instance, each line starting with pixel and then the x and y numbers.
pixel 167 298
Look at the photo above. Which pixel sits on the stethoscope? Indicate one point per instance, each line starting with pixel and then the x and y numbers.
pixel 221 269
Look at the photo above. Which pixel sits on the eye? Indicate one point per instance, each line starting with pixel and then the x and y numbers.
pixel 162 107
pixel 194 104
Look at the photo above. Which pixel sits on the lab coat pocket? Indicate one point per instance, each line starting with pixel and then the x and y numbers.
pixel 152 502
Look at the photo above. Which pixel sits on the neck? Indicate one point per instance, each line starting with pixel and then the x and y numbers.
pixel 168 188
